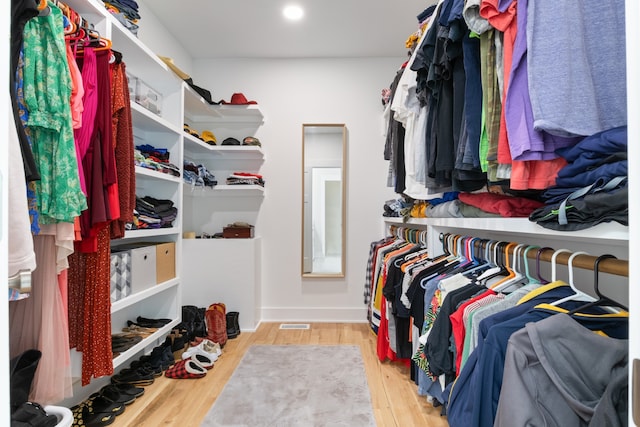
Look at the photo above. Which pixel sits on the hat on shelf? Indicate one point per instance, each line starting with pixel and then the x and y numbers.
pixel 230 141
pixel 191 131
pixel 208 137
pixel 251 140
pixel 174 67
pixel 238 99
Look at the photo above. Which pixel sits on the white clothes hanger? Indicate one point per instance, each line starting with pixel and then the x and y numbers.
pixel 553 263
pixel 517 275
pixel 578 295
pixel 494 267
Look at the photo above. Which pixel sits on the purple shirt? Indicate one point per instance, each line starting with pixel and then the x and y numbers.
pixel 525 142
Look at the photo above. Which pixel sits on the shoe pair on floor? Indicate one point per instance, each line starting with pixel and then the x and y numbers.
pixel 101 408
pixel 194 367
pixel 203 345
pixel 195 361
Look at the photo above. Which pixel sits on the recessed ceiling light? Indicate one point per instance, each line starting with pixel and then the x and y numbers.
pixel 293 12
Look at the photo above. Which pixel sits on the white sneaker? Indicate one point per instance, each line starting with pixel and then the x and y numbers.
pixel 206 347
pixel 212 347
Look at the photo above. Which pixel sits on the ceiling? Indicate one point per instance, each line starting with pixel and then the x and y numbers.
pixel 257 29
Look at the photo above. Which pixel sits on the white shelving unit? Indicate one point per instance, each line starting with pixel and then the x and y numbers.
pixel 222 270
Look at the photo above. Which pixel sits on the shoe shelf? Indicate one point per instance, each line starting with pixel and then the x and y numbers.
pixel 127 356
pixel 143 295
pixel 223 190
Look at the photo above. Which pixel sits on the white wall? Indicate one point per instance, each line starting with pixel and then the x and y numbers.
pixel 160 40
pixel 290 93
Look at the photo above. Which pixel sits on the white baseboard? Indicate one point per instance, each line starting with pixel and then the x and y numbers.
pixel 314 314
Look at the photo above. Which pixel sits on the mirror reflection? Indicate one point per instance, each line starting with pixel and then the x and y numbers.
pixel 323 210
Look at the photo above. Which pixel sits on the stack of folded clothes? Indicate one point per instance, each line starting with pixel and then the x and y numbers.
pixel 150 157
pixel 245 178
pixel 592 187
pixel 153 213
pixel 125 11
pixel 198 175
pixel 398 208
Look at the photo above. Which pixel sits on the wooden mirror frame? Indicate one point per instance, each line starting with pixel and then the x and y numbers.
pixel 306 262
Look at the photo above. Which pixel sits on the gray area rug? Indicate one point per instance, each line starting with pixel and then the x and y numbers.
pixel 295 385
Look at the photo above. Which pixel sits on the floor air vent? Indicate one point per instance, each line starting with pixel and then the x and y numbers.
pixel 294 326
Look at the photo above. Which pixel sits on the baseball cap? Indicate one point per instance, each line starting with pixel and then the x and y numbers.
pixel 230 141
pixel 251 140
pixel 208 137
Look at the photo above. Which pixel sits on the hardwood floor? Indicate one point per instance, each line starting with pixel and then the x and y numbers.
pixel 185 402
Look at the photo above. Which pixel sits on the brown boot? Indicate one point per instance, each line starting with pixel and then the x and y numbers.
pixel 215 318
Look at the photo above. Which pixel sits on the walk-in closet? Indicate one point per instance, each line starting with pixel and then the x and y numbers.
pixel 320 213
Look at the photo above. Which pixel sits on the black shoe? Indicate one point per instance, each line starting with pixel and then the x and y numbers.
pixel 120 344
pixel 161 322
pixel 139 377
pixel 157 360
pixel 146 324
pixel 32 414
pixel 22 370
pixel 128 390
pixel 233 326
pixel 168 359
pixel 112 394
pixel 85 415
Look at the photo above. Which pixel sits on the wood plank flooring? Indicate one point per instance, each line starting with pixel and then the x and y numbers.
pixel 184 403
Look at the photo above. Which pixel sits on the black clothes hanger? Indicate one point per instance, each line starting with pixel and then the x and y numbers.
pixel 542 279
pixel 602 300
pixel 117 56
pixel 498 261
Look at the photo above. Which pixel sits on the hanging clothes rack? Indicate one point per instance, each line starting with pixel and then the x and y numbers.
pixel 411 235
pixel 618 267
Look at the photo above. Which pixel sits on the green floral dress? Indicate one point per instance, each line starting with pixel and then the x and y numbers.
pixel 47 91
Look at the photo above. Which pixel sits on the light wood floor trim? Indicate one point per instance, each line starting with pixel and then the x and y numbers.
pixel 184 403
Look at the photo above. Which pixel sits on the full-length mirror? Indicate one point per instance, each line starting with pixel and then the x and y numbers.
pixel 324 148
